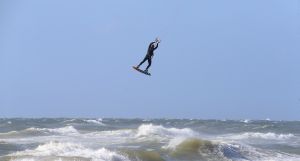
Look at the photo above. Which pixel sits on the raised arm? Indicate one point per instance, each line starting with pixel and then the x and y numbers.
pixel 156 46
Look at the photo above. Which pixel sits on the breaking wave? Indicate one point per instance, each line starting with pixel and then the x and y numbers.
pixel 198 149
pixel 58 149
pixel 150 130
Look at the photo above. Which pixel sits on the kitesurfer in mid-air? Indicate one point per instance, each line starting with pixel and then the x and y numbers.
pixel 152 46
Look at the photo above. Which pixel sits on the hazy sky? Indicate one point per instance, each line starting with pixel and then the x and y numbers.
pixel 222 59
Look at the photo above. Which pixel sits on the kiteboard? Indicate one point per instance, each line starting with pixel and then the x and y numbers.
pixel 142 71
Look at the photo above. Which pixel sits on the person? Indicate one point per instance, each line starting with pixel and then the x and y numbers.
pixel 152 46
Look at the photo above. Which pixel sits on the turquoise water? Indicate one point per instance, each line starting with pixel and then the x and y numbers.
pixel 108 139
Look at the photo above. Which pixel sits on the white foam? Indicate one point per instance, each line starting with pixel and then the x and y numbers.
pixel 114 133
pixel 60 149
pixel 150 130
pixel 70 120
pixel 173 136
pixel 98 121
pixel 258 135
pixel 62 130
pixel 24 159
pixel 111 137
pixel 245 121
pixel 281 157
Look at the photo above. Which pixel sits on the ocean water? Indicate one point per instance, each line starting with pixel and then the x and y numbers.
pixel 109 139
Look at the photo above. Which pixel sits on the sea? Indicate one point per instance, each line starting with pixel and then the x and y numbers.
pixel 113 139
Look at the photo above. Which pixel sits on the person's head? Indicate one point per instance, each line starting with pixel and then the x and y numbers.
pixel 157 40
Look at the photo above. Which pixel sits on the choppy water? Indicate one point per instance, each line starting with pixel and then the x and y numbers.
pixel 148 140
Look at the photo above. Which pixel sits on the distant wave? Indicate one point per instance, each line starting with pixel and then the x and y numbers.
pixel 33 131
pixel 62 130
pixel 10 133
pixel 69 120
pixel 98 121
pixel 266 136
pixel 144 131
pixel 246 121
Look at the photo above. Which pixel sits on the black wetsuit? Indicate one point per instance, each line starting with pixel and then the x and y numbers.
pixel 149 55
